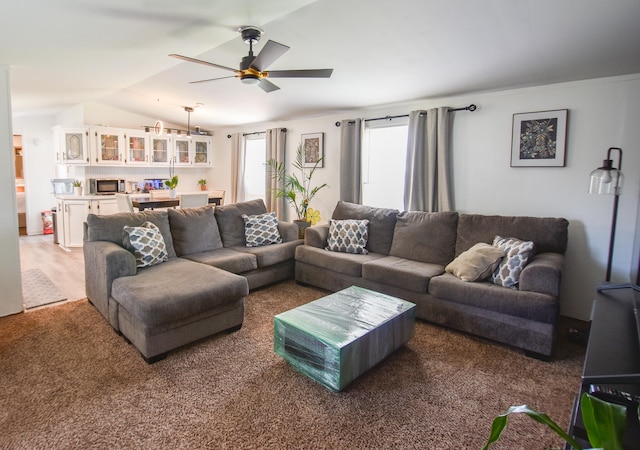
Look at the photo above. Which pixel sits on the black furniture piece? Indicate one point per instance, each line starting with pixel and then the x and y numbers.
pixel 149 203
pixel 612 360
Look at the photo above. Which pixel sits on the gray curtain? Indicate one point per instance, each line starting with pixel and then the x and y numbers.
pixel 237 168
pixel 428 169
pixel 350 160
pixel 275 143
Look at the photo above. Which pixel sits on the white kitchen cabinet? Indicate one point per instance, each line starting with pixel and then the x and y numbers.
pixel 182 151
pixel 103 207
pixel 75 213
pixel 161 152
pixel 136 148
pixel 108 146
pixel 72 213
pixel 202 151
pixel 71 145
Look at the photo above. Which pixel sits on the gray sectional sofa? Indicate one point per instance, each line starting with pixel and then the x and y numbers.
pixel 407 256
pixel 198 285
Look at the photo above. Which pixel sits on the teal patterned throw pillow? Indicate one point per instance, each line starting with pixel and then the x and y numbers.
pixel 261 229
pixel 146 243
pixel 517 255
pixel 348 236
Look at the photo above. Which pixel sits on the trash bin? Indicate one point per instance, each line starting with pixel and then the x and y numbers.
pixel 54 220
pixel 47 223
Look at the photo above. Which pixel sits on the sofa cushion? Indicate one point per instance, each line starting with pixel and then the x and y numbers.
pixel 226 259
pixel 348 236
pixel 109 227
pixel 194 230
pixel 345 263
pixel 261 229
pixel 476 264
pixel 381 223
pixel 401 272
pixel 230 222
pixel 425 236
pixel 146 244
pixel 548 233
pixel 270 255
pixel 158 295
pixel 517 254
pixel 486 295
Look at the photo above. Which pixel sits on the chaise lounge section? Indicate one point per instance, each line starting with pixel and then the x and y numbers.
pixel 196 288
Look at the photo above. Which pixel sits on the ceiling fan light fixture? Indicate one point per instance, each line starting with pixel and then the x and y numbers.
pixel 250 79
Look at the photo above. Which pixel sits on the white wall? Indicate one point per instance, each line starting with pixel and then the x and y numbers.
pixel 602 113
pixel 11 298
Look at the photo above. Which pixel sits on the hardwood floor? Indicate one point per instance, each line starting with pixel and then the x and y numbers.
pixel 65 268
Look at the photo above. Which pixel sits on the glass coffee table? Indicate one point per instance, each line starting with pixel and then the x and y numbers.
pixel 337 338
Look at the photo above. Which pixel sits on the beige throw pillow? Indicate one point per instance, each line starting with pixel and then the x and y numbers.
pixel 477 263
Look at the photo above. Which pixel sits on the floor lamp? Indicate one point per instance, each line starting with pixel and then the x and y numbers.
pixel 607 180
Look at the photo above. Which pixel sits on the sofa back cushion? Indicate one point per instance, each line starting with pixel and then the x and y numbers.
pixel 382 222
pixel 194 230
pixel 111 227
pixel 549 234
pixel 231 223
pixel 425 236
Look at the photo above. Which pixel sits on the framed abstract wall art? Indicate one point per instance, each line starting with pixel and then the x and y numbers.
pixel 313 148
pixel 539 139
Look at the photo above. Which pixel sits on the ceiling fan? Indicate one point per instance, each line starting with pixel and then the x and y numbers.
pixel 253 68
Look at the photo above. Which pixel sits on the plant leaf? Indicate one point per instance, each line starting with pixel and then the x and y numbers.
pixel 500 422
pixel 605 422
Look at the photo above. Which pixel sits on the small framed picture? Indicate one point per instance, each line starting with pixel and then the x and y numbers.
pixel 539 139
pixel 313 148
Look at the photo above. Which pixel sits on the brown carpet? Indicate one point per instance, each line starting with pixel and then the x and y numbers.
pixel 67 380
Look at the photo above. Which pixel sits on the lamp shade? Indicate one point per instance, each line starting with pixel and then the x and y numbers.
pixel 606 180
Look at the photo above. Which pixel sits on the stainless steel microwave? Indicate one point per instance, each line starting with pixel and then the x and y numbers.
pixel 105 186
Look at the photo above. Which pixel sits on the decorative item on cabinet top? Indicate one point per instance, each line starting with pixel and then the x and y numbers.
pixel 110 146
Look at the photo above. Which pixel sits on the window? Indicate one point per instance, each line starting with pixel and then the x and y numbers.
pixel 254 169
pixel 383 163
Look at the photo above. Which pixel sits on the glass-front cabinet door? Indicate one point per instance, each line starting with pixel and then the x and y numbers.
pixel 137 144
pixel 109 145
pixel 202 151
pixel 182 151
pixel 160 150
pixel 72 145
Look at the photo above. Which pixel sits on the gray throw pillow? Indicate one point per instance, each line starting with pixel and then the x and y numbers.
pixel 517 255
pixel 194 230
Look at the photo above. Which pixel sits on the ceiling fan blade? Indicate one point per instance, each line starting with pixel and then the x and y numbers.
pixel 267 85
pixel 268 55
pixel 211 79
pixel 303 73
pixel 199 61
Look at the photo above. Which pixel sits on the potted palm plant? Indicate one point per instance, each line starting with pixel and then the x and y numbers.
pixel 203 184
pixel 296 186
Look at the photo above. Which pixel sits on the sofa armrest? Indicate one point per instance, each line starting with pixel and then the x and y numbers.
pixel 543 274
pixel 105 261
pixel 288 231
pixel 316 236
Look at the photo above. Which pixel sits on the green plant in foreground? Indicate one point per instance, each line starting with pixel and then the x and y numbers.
pixel 605 423
pixel 77 183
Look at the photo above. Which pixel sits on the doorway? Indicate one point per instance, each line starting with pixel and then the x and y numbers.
pixel 20 190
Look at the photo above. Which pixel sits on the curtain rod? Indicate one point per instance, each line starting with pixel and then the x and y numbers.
pixel 283 130
pixel 471 107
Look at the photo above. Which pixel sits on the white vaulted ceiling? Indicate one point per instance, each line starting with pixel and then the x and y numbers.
pixel 115 52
